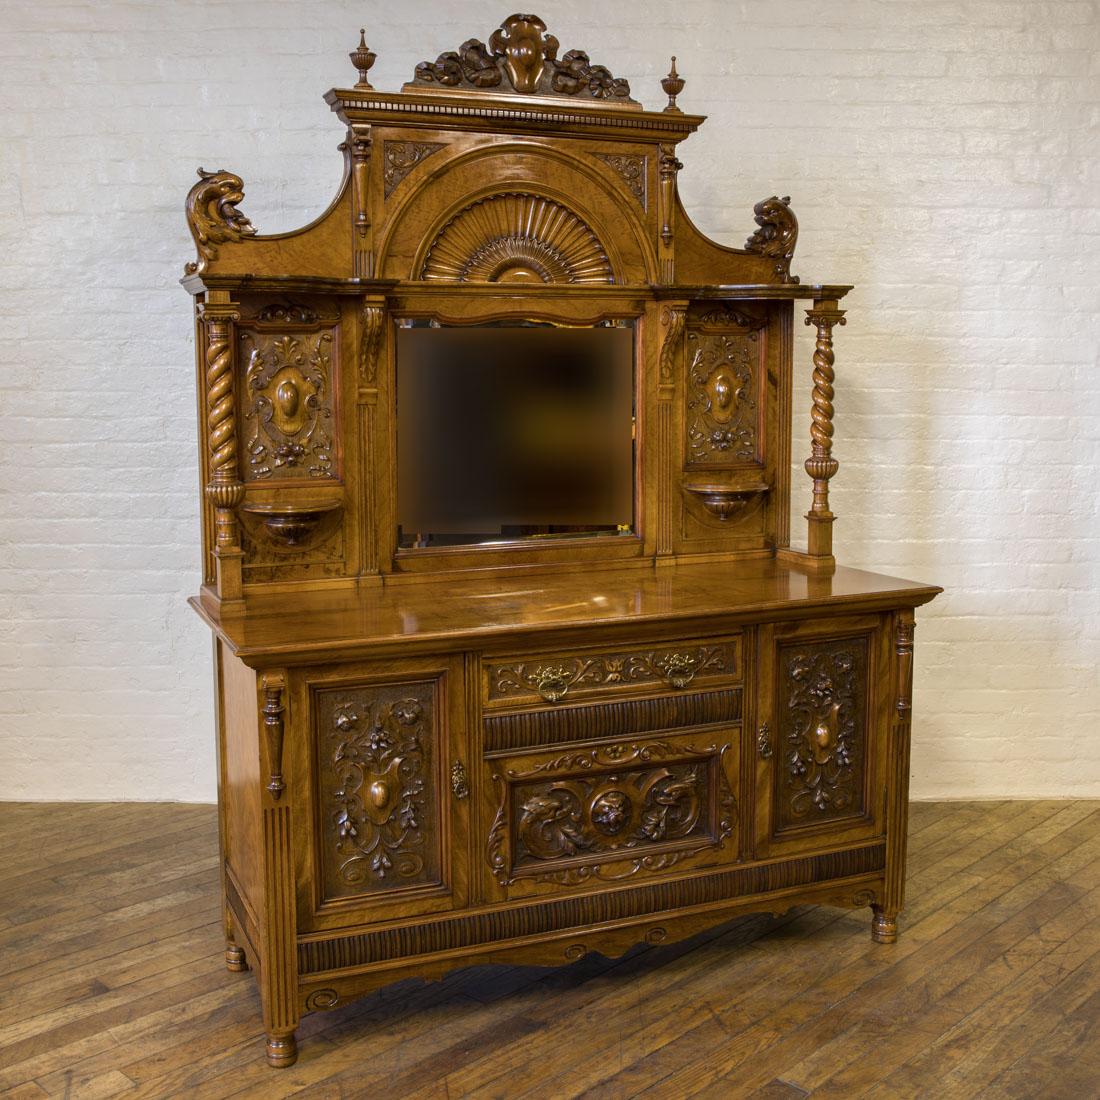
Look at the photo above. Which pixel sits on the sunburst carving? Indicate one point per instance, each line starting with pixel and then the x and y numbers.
pixel 514 238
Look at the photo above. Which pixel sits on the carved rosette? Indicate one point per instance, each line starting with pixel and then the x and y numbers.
pixel 288 396
pixel 517 237
pixel 723 397
pixel 213 217
pixel 522 57
pixel 378 788
pixel 777 234
pixel 823 711
pixel 610 812
pixel 401 157
pixel 631 168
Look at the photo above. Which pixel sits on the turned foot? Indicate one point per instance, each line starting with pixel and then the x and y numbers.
pixel 282 1050
pixel 884 927
pixel 235 958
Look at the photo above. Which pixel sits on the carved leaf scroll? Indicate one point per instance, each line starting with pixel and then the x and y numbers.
pixel 632 169
pixel 522 57
pixel 722 398
pixel 379 792
pixel 288 397
pixel 401 157
pixel 517 237
pixel 823 711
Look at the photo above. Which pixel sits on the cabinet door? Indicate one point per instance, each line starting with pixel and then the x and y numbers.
pixel 821 733
pixel 385 749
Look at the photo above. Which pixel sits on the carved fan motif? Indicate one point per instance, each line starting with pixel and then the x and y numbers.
pixel 517 238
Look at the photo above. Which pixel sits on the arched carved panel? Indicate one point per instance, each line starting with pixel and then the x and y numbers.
pixel 517 237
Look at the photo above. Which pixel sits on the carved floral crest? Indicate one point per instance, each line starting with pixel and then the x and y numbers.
pixel 522 57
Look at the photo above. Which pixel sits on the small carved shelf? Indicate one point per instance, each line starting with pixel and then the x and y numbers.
pixel 723 501
pixel 292 522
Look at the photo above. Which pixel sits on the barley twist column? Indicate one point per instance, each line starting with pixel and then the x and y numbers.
pixel 224 490
pixel 821 465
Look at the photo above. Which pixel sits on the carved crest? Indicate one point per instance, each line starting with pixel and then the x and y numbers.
pixel 517 237
pixel 777 235
pixel 522 57
pixel 212 215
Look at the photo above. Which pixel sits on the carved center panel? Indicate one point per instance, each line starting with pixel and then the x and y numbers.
pixel 517 238
pixel 610 812
pixel 723 398
pixel 823 710
pixel 288 405
pixel 380 822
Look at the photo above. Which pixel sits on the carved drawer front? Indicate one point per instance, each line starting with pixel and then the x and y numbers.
pixel 611 812
pixel 668 666
pixel 385 810
pixel 819 741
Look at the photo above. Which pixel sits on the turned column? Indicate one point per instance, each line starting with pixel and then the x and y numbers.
pixel 821 465
pixel 224 489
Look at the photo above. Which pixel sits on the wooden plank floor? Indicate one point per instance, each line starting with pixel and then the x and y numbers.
pixel 112 982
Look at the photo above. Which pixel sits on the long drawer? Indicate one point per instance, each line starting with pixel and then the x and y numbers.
pixel 540 679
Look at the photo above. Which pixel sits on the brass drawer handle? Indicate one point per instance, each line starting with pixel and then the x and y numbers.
pixel 679 669
pixel 460 784
pixel 552 683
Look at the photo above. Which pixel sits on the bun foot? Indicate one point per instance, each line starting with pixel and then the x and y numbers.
pixel 235 958
pixel 282 1050
pixel 884 928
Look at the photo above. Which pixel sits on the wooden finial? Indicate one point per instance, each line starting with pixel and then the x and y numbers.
pixel 673 85
pixel 362 58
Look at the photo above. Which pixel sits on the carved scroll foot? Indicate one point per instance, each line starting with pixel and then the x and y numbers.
pixel 282 1050
pixel 884 926
pixel 235 959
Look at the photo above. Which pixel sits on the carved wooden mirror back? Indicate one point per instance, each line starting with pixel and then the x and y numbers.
pixel 508 182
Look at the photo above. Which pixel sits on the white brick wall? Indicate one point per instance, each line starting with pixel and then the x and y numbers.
pixel 942 156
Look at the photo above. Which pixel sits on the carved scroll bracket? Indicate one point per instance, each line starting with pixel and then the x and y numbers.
pixel 274 685
pixel 372 323
pixel 821 465
pixel 777 235
pixel 224 489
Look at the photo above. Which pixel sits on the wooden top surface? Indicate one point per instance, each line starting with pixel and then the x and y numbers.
pixel 451 613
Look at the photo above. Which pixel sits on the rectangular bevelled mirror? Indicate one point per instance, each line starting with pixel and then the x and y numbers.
pixel 512 432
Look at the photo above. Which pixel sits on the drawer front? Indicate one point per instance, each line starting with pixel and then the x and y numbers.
pixel 550 678
pixel 610 812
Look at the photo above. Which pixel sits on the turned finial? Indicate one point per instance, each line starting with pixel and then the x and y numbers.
pixel 362 58
pixel 673 85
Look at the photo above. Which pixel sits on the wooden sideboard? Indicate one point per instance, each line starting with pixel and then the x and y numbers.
pixel 526 748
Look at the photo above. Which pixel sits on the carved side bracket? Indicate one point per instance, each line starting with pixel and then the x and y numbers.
pixel 370 342
pixel 777 235
pixel 274 685
pixel 213 217
pixel 673 318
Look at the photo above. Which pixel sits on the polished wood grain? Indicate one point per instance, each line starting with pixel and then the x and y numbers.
pixel 114 982
pixel 526 749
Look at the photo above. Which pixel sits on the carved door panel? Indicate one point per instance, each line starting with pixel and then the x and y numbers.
pixel 388 799
pixel 611 811
pixel 821 734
